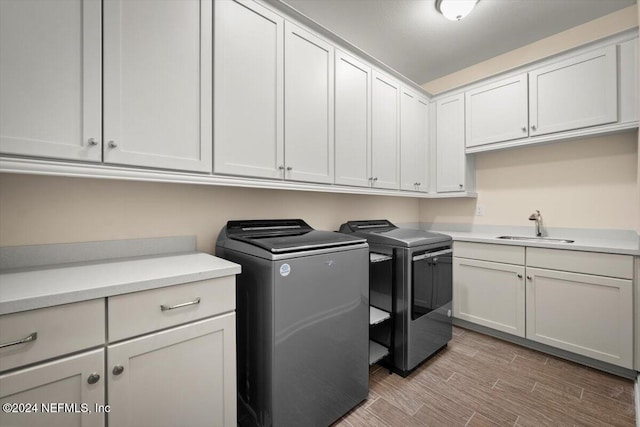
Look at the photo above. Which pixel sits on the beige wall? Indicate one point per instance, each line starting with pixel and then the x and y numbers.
pixel 613 23
pixel 590 183
pixel 38 210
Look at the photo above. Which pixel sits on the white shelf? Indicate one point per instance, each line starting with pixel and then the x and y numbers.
pixel 376 352
pixel 373 257
pixel 34 166
pixel 377 316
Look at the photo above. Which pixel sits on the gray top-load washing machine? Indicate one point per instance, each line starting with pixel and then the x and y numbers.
pixel 302 321
pixel 419 292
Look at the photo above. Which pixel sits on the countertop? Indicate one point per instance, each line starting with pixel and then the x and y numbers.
pixel 613 246
pixel 623 242
pixel 45 286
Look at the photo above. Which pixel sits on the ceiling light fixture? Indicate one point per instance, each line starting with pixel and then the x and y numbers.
pixel 455 10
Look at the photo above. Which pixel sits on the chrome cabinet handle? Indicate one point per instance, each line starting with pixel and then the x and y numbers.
pixel 519 276
pixel 92 142
pixel 375 179
pixel 289 168
pixel 184 304
pixel 460 185
pixel 533 127
pixel 112 144
pixel 118 369
pixel 31 337
pixel 529 278
pixel 524 128
pixel 93 378
pixel 281 167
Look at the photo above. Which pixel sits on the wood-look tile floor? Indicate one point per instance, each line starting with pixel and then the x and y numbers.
pixel 482 381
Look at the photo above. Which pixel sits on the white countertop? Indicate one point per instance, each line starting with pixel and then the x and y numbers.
pixel 587 244
pixel 46 286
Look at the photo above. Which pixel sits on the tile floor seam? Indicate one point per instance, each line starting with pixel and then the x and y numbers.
pixel 470 418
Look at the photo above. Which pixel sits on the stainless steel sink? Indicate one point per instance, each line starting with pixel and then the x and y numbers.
pixel 536 239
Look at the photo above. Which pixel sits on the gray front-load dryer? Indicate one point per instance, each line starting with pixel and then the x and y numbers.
pixel 302 321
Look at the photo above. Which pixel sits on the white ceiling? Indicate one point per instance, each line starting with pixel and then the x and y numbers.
pixel 413 38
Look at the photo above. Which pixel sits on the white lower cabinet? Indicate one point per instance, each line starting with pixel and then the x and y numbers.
pixel 489 294
pixel 582 313
pixel 580 302
pixel 181 376
pixel 170 360
pixel 75 381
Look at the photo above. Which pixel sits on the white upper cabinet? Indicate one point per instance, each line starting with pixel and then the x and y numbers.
pixel 497 112
pixel 385 132
pixel 414 113
pixel 628 75
pixel 50 79
pixel 158 83
pixel 353 121
pixel 308 95
pixel 249 89
pixel 575 93
pixel 451 161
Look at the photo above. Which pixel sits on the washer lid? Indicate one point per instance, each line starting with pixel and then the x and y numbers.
pixel 383 232
pixel 281 236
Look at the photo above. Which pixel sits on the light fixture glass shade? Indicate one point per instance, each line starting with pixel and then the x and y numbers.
pixel 455 10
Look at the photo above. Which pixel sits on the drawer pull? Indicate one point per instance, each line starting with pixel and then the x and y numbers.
pixel 93 378
pixel 118 369
pixel 184 304
pixel 32 337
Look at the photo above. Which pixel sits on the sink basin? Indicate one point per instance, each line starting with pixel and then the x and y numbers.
pixel 536 239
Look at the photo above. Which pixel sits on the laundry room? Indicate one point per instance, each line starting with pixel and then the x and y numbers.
pixel 319 212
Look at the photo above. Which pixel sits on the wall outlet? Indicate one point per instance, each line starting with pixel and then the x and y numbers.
pixel 479 210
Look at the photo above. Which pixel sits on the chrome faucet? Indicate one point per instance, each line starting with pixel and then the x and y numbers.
pixel 538 219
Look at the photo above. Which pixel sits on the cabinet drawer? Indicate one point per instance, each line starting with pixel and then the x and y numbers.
pixel 56 330
pixel 600 264
pixel 487 252
pixel 141 312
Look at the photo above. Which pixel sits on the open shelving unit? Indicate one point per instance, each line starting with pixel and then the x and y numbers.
pixel 380 309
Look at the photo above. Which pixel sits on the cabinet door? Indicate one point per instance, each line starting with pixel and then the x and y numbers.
pixel 628 75
pixel 451 162
pixel 308 94
pixel 490 294
pixel 158 83
pixel 585 314
pixel 50 79
pixel 497 112
pixel 248 94
pixel 66 381
pixel 385 132
pixel 575 93
pixel 181 376
pixel 353 121
pixel 413 142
